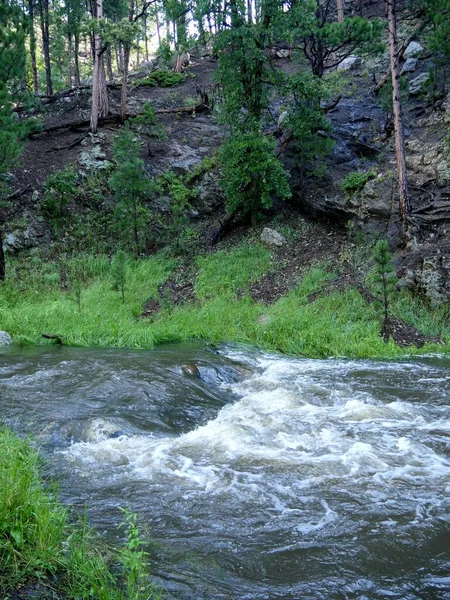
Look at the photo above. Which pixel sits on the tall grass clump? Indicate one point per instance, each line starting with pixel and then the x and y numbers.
pixel 40 547
pixel 32 524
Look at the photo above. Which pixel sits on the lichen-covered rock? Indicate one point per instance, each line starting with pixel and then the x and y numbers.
pixel 271 237
pixel 416 84
pixel 427 161
pixel 429 275
pixel 5 339
pixel 94 159
pixel 35 234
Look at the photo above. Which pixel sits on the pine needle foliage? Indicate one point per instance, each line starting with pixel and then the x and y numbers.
pixel 385 278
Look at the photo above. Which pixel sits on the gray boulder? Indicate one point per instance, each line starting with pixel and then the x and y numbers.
pixel 5 339
pixel 350 63
pixel 413 50
pixel 271 237
pixel 21 239
pixel 409 66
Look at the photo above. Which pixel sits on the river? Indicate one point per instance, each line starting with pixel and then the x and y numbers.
pixel 254 476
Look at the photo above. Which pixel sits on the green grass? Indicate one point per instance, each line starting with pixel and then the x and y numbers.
pixel 332 324
pixel 39 546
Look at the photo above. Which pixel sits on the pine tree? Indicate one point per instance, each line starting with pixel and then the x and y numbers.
pixel 385 278
pixel 130 184
pixel 12 68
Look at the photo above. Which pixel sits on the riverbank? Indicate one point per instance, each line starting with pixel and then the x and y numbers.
pixel 43 554
pixel 279 300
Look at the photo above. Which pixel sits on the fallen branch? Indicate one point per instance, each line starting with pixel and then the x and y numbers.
pixel 331 105
pixel 17 193
pixel 77 141
pixel 74 125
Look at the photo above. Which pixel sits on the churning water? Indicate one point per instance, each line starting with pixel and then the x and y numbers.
pixel 255 476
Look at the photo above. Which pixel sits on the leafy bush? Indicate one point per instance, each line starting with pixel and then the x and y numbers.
pixel 356 180
pixel 252 176
pixel 163 79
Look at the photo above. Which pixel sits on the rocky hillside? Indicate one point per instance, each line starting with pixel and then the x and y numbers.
pixel 356 184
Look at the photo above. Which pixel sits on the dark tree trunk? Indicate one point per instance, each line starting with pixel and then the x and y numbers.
pixel 33 47
pixel 158 28
pixel 403 196
pixel 76 70
pixel 146 38
pixel 123 97
pixel 69 60
pixel 43 12
pixel 2 258
pixel 109 63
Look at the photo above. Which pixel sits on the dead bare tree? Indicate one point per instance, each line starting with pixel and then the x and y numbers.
pixel 403 197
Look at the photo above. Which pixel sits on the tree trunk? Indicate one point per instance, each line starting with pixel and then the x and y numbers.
pixel 33 47
pixel 109 63
pixel 249 11
pixel 43 12
pixel 69 60
pixel 340 10
pixel 146 38
pixel 138 50
pixel 76 70
pixel 158 28
pixel 403 197
pixel 97 48
pixel 123 97
pixel 103 108
pixel 2 258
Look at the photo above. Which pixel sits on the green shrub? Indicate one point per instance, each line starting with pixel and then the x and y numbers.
pixel 163 79
pixel 356 180
pixel 252 176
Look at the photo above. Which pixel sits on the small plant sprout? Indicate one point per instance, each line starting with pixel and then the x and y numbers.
pixel 134 560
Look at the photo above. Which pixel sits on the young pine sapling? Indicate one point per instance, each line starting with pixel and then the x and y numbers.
pixel 385 279
pixel 119 272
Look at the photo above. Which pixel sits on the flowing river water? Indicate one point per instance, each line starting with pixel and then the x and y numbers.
pixel 255 476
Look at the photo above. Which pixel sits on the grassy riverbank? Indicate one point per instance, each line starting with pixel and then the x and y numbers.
pixel 43 555
pixel 73 298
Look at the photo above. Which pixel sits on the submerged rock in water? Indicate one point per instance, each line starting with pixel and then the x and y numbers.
pixel 101 429
pixel 191 370
pixel 5 339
